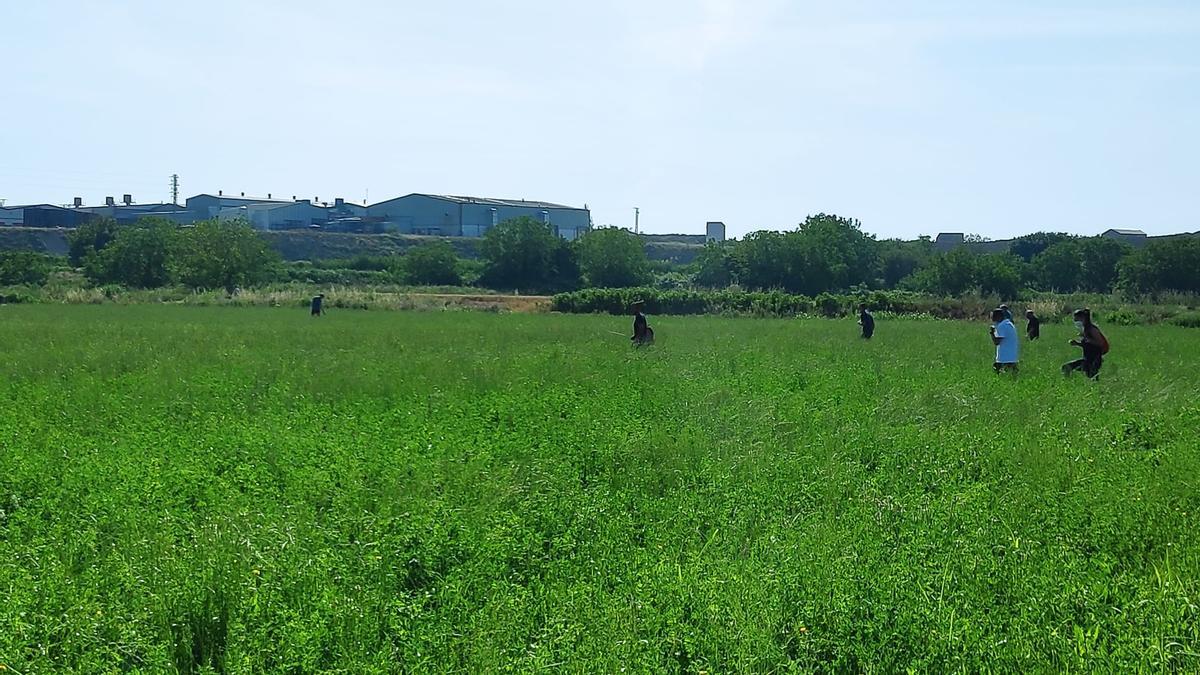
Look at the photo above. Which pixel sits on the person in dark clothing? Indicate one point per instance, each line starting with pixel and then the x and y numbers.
pixel 1034 329
pixel 642 333
pixel 1093 343
pixel 866 321
pixel 317 301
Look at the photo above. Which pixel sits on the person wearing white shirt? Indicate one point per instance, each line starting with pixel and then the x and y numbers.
pixel 1004 336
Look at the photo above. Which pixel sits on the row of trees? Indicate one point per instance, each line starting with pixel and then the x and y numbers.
pixel 518 254
pixel 825 254
pixel 211 254
pixel 830 254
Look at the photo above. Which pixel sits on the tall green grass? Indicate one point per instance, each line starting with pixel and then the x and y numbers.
pixel 247 490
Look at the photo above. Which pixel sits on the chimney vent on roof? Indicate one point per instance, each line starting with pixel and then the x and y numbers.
pixel 268 195
pixel 109 201
pixel 128 199
pixel 339 202
pixel 78 202
pixel 220 193
pixel 243 194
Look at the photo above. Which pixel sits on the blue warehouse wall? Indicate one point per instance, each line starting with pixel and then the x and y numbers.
pixel 419 214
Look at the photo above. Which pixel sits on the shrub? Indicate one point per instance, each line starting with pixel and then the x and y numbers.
pixel 772 303
pixel 1122 317
pixel 23 267
pixel 433 264
pixel 1186 320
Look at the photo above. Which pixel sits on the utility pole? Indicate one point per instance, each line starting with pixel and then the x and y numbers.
pixel 637 213
pixel 175 189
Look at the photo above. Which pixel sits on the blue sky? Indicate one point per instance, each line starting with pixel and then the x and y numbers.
pixel 915 117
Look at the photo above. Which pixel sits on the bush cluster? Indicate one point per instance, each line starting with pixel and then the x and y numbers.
pixel 769 303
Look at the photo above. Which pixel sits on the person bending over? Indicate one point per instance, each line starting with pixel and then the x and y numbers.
pixel 1092 341
pixel 643 334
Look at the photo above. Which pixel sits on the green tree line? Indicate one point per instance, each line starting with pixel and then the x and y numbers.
pixel 829 254
pixel 824 254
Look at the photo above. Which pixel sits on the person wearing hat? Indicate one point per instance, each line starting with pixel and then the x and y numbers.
pixel 1034 328
pixel 317 301
pixel 1004 336
pixel 1007 312
pixel 642 333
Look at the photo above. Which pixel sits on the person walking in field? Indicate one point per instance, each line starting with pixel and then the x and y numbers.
pixel 643 334
pixel 1008 347
pixel 1034 328
pixel 1092 341
pixel 317 305
pixel 866 321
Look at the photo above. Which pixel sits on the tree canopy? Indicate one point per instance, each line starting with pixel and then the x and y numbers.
pixel 525 253
pixel 432 264
pixel 613 258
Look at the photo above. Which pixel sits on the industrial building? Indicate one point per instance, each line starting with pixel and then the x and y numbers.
pixel 1135 238
pixel 300 214
pixel 205 206
pixel 43 215
pixel 427 214
pixel 127 212
pixel 453 216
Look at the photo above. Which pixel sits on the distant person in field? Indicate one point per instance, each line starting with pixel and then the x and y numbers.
pixel 1092 341
pixel 1034 329
pixel 1004 336
pixel 317 305
pixel 866 321
pixel 643 334
pixel 1007 312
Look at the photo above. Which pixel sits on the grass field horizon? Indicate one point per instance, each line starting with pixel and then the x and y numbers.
pixel 226 489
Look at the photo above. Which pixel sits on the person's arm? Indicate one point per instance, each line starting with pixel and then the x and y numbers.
pixel 996 339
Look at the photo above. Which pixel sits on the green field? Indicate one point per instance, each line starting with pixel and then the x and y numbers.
pixel 251 490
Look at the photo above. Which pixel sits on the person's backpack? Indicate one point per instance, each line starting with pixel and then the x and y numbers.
pixel 1101 339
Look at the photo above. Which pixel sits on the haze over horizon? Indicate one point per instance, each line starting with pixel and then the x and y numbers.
pixel 915 119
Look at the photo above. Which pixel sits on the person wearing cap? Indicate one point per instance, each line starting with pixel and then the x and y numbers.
pixel 1007 312
pixel 316 305
pixel 642 333
pixel 1034 328
pixel 1004 336
pixel 866 321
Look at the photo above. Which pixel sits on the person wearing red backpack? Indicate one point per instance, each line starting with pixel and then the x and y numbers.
pixel 1094 345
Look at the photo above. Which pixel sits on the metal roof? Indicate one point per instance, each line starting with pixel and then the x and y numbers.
pixel 1137 233
pixel 16 207
pixel 490 201
pixel 237 198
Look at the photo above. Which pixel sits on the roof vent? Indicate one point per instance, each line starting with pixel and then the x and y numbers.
pixel 109 201
pixel 78 202
pixel 128 199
